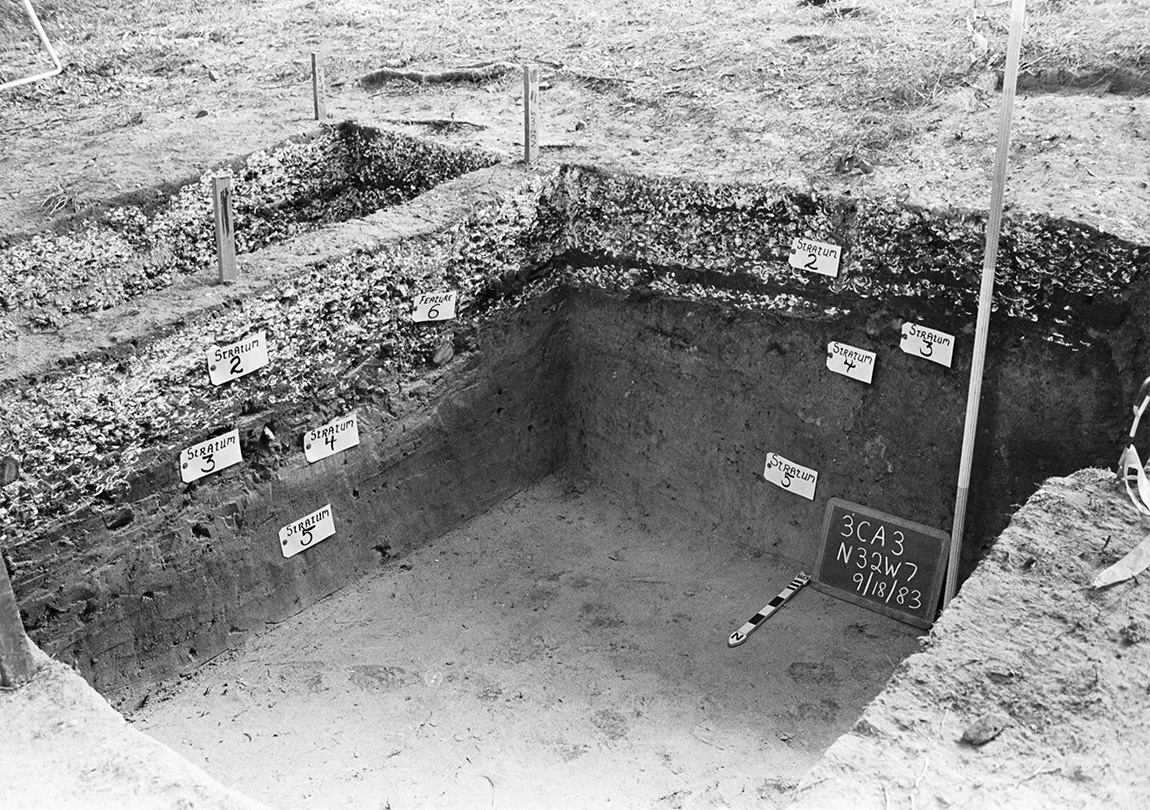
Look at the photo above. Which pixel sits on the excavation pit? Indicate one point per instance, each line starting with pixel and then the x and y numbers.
pixel 576 461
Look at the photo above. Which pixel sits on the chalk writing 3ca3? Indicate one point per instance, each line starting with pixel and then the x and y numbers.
pixel 881 562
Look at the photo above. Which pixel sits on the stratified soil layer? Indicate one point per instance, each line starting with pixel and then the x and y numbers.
pixel 654 333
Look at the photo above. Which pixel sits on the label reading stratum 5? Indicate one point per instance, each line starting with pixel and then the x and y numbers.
pixel 308 531
pixel 790 476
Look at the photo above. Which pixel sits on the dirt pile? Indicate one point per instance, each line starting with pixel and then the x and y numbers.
pixel 1032 691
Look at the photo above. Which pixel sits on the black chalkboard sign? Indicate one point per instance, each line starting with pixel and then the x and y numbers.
pixel 881 562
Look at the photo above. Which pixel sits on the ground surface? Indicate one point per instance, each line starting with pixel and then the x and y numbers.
pixel 64 747
pixel 553 652
pixel 806 92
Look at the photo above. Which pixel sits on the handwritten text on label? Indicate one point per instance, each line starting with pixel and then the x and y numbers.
pixel 207 457
pixel 816 257
pixel 858 364
pixel 226 363
pixel 793 477
pixel 327 440
pixel 530 113
pixel 938 347
pixel 307 531
pixel 438 306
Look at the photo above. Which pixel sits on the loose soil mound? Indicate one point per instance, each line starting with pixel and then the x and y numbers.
pixel 63 746
pixel 1047 677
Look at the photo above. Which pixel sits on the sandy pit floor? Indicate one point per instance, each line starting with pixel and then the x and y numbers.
pixel 556 651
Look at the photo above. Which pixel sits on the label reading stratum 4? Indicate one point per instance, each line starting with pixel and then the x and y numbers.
pixel 211 456
pixel 437 306
pixel 815 257
pixel 306 532
pixel 858 364
pixel 227 363
pixel 790 476
pixel 327 440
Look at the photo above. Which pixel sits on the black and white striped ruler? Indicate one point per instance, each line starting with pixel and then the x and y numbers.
pixel 744 632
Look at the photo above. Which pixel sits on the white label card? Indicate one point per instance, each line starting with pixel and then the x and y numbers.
pixel 438 306
pixel 208 457
pixel 338 434
pixel 938 347
pixel 858 364
pixel 793 477
pixel 227 363
pixel 815 257
pixel 307 531
pixel 530 113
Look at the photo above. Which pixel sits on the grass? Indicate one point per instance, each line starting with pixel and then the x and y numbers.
pixel 882 54
pixel 874 66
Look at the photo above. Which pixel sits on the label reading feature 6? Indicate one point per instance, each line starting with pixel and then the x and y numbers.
pixel 816 257
pixel 227 363
pixel 858 364
pixel 207 457
pixel 338 434
pixel 881 562
pixel 307 531
pixel 438 306
pixel 789 476
pixel 938 347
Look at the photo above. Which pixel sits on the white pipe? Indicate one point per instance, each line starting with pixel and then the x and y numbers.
pixel 47 45
pixel 986 294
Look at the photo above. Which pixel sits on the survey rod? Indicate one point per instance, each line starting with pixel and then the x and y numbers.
pixel 986 294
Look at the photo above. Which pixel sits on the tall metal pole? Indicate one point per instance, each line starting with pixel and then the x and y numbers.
pixel 986 294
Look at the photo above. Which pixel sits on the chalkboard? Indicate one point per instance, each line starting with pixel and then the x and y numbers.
pixel 881 562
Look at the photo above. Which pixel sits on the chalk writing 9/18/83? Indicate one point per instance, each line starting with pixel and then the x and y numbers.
pixel 871 561
pixel 903 597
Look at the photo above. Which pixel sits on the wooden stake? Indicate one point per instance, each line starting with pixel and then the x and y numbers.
pixel 317 88
pixel 225 228
pixel 16 667
pixel 530 113
pixel 986 295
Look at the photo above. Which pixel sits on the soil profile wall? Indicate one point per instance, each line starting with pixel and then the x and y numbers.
pixel 677 404
pixel 196 569
pixel 652 332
